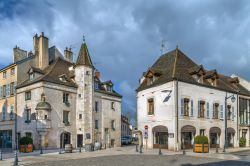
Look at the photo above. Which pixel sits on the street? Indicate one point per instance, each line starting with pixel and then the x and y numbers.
pixel 144 160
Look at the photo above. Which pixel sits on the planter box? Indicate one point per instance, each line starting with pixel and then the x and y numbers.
pixel 201 148
pixel 26 148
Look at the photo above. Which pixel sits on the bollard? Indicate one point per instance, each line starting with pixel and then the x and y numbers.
pixel 80 150
pixel 217 149
pixel 1 155
pixel 60 152
pixel 184 152
pixel 160 153
pixel 15 159
pixel 136 148
pixel 141 149
pixel 41 150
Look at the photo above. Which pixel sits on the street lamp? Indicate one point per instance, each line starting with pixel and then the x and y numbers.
pixel 232 100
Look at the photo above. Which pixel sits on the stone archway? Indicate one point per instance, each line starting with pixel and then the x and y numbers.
pixel 187 136
pixel 65 138
pixel 160 137
pixel 230 136
pixel 214 136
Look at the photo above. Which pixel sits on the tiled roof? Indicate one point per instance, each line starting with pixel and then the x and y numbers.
pixel 83 56
pixel 175 65
pixel 52 74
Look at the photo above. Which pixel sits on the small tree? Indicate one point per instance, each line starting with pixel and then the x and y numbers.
pixel 242 142
pixel 200 139
pixel 26 141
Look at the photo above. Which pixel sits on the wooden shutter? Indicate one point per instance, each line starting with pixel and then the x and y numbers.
pixel 182 106
pixel 192 107
pixel 207 109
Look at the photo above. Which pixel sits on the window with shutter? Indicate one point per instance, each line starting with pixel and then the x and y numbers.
pixel 221 112
pixel 182 106
pixel 207 109
pixel 192 108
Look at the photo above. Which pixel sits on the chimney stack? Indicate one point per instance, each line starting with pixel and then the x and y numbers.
pixel 97 74
pixel 68 54
pixel 19 54
pixel 41 50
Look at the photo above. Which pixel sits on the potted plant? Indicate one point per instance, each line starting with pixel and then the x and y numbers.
pixel 26 144
pixel 242 142
pixel 201 144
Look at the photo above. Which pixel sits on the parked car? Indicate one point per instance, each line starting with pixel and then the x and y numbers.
pixel 126 140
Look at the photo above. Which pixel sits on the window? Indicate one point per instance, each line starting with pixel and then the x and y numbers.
pixel 96 124
pixel 28 134
pixel 150 80
pixel 65 98
pixel 28 95
pixel 216 111
pixel 45 116
pixel 186 107
pixel 202 132
pixel 109 88
pixel 4 91
pixel 66 117
pixel 28 113
pixel 4 74
pixel 87 73
pixel 80 116
pixel 201 105
pixel 229 112
pixel 4 111
pixel 79 95
pixel 12 72
pixel 12 88
pixel 96 85
pixel 113 124
pixel 11 112
pixel 31 76
pixel 96 106
pixel 113 105
pixel 151 106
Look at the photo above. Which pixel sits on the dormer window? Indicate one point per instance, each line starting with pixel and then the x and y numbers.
pixel 150 80
pixel 200 79
pixel 63 78
pixel 31 76
pixel 109 88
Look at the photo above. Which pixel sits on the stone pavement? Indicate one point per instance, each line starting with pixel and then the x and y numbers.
pixel 129 150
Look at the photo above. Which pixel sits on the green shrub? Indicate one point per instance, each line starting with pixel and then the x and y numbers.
pixel 242 142
pixel 26 141
pixel 200 139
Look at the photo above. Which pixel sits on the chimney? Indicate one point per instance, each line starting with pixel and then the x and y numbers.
pixel 36 44
pixel 43 51
pixel 97 74
pixel 19 54
pixel 68 54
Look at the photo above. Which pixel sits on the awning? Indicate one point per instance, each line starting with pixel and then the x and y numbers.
pixel 188 128
pixel 160 129
pixel 215 130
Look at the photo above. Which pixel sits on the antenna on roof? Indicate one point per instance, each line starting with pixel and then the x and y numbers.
pixel 162 46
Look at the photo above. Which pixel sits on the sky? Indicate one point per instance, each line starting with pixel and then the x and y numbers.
pixel 125 37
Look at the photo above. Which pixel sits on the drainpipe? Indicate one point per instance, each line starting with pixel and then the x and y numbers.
pixel 177 114
pixel 237 120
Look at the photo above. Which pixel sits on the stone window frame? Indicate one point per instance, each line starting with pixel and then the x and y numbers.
pixel 216 111
pixel 202 109
pixel 151 106
pixel 27 95
pixel 186 106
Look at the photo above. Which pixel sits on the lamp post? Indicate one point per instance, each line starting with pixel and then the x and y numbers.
pixel 226 139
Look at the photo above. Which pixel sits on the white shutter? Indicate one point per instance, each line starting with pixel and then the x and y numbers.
pixel 199 107
pixel 221 112
pixel 192 107
pixel 207 109
pixel 182 106
pixel 8 90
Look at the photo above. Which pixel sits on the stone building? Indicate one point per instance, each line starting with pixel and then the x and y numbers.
pixel 61 102
pixel 125 126
pixel 178 99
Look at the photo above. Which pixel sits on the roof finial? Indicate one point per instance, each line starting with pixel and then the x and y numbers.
pixel 83 39
pixel 162 46
pixel 177 46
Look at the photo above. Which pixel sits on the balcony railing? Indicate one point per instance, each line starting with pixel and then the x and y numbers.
pixel 43 124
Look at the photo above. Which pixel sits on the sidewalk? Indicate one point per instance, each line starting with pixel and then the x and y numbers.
pixel 53 155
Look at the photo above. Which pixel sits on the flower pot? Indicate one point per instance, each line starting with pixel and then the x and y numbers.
pixel 201 148
pixel 26 148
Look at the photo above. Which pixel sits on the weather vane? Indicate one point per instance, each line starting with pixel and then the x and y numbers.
pixel 83 38
pixel 162 46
